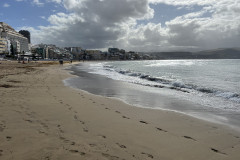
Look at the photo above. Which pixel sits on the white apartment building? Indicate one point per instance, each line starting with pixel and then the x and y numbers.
pixel 16 39
pixel 3 45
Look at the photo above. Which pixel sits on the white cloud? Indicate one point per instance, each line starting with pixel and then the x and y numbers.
pixel 6 5
pixel 73 4
pixel 184 2
pixel 37 2
pixel 107 23
pixel 56 1
pixel 43 17
pixel 220 30
pixel 94 24
pixel 60 19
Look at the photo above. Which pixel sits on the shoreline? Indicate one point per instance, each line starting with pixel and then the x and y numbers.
pixel 146 97
pixel 73 124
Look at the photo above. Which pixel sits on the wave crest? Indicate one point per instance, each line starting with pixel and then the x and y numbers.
pixel 178 85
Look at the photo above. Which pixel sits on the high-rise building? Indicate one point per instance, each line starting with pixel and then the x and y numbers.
pixel 16 39
pixel 26 34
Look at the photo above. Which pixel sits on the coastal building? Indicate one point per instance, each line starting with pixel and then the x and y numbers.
pixel 38 51
pixel 77 52
pixel 113 50
pixel 16 45
pixel 26 34
pixel 3 45
pixel 94 54
pixel 117 54
pixel 50 51
pixel 17 40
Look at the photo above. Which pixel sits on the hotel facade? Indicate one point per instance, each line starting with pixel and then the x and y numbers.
pixel 17 40
pixel 3 45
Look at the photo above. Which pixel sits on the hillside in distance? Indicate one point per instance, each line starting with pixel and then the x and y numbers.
pixel 222 53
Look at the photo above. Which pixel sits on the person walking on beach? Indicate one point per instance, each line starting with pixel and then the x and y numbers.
pixel 61 62
pixel 19 58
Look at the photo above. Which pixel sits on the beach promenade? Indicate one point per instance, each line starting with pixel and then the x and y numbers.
pixel 41 119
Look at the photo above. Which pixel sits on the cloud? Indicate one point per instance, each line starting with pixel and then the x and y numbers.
pixel 221 29
pixel 37 2
pixel 43 17
pixel 6 5
pixel 184 2
pixel 94 24
pixel 113 23
pixel 56 1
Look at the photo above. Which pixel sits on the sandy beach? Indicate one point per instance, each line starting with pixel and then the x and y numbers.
pixel 41 119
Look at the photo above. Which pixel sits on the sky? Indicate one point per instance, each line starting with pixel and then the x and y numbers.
pixel 133 25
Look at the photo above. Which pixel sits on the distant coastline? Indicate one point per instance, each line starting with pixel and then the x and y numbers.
pixel 223 53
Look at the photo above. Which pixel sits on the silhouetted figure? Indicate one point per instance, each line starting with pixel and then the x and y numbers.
pixel 61 62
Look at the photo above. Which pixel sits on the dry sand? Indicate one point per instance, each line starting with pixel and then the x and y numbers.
pixel 42 119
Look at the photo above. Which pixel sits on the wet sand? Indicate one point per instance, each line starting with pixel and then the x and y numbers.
pixel 147 97
pixel 40 118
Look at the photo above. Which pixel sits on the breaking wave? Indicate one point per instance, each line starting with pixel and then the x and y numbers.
pixel 162 82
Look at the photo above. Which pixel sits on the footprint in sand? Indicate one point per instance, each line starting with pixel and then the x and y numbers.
pixel 92 145
pixel 8 138
pixel 149 155
pixel 64 139
pixel 143 122
pixel 217 151
pixel 160 129
pixel 121 146
pixel 44 125
pixel 125 117
pixel 237 137
pixel 187 137
pixel 28 120
pixel 76 151
pixel 109 156
pixel 47 158
pixel 42 132
pixel 102 136
pixel 2 126
pixel 60 129
pixel 76 118
pixel 85 129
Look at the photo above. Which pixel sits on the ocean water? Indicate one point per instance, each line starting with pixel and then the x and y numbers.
pixel 213 83
pixel 212 87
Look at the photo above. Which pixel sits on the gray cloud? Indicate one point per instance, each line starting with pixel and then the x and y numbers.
pixel 94 24
pixel 107 23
